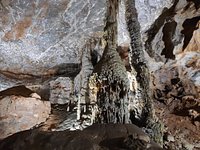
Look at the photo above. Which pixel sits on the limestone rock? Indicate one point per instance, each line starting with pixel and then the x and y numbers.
pixel 150 10
pixel 61 91
pixel 171 32
pixel 38 35
pixel 35 95
pixel 189 65
pixel 123 38
pixel 19 113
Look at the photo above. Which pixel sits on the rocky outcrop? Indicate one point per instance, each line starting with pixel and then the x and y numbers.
pixel 175 27
pixel 178 52
pixel 99 137
pixel 37 37
pixel 21 112
pixel 194 43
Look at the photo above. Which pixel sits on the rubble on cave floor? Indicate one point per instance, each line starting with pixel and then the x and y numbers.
pixel 181 131
pixel 177 104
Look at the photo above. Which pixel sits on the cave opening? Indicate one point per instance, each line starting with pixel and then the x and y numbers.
pixel 189 26
pixel 168 33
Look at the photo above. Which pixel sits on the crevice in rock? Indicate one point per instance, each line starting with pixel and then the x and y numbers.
pixel 167 14
pixel 20 90
pixel 61 70
pixel 94 57
pixel 168 33
pixel 189 26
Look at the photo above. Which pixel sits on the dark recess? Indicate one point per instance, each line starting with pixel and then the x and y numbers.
pixel 196 3
pixel 189 26
pixel 151 33
pixel 168 33
pixel 20 90
pixel 94 57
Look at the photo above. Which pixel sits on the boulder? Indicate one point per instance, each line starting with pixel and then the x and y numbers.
pixel 18 113
pixel 95 137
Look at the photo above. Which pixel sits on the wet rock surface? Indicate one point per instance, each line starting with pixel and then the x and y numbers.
pixel 105 136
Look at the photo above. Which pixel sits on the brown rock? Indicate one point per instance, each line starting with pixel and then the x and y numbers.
pixel 95 137
pixel 188 97
pixel 19 113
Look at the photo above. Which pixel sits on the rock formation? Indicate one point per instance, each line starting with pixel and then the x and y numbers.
pixel 21 112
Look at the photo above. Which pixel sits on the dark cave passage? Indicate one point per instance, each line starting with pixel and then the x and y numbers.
pixel 189 26
pixel 168 33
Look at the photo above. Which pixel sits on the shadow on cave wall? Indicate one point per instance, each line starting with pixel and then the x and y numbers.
pixel 189 26
pixel 159 22
pixel 168 33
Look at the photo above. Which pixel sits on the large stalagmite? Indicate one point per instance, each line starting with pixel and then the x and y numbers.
pixel 111 78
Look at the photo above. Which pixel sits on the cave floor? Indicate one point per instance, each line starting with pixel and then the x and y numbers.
pixel 181 129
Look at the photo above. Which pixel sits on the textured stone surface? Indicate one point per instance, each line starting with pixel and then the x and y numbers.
pixel 37 35
pixel 61 91
pixel 189 69
pixel 19 113
pixel 174 40
pixel 172 30
pixel 149 10
pixel 42 40
pixel 96 137
pixel 148 118
pixel 123 38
